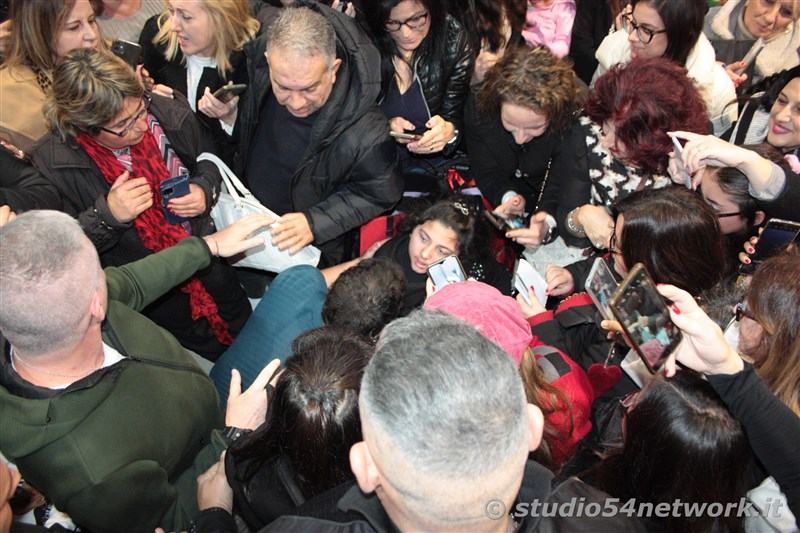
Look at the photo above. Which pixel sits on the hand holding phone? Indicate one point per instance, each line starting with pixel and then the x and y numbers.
pixel 775 237
pixel 174 187
pixel 446 271
pixel 643 314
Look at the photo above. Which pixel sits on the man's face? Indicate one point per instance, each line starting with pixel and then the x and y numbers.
pixel 301 84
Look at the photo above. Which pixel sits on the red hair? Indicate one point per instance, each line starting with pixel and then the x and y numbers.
pixel 645 99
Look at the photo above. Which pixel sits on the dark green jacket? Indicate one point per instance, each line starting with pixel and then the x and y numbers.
pixel 120 450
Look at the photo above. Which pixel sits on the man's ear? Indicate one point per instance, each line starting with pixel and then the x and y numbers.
pixel 535 427
pixel 335 68
pixel 96 307
pixel 759 218
pixel 364 468
pixel 266 55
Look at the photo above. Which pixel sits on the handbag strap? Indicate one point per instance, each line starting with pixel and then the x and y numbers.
pixel 235 187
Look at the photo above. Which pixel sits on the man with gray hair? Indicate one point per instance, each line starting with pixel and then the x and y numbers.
pixel 447 431
pixel 100 409
pixel 311 143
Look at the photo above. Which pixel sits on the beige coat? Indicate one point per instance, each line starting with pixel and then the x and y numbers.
pixel 21 104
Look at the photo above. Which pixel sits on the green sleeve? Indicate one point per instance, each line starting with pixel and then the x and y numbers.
pixel 139 283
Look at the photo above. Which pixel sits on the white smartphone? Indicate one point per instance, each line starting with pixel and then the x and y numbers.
pixel 525 277
pixel 687 179
pixel 446 271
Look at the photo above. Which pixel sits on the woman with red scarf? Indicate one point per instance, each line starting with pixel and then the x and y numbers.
pixel 110 149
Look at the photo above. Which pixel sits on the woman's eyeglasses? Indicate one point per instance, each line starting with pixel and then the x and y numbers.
pixel 146 101
pixel 644 34
pixel 414 23
pixel 612 244
pixel 627 402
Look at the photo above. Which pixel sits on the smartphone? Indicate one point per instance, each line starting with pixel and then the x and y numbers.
pixel 643 314
pixel 525 277
pixel 601 286
pixel 342 5
pixel 130 52
pixel 410 136
pixel 446 271
pixel 503 223
pixel 687 179
pixel 773 240
pixel 174 187
pixel 226 93
pixel 751 55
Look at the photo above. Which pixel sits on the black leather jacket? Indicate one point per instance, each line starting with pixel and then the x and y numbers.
pixel 446 83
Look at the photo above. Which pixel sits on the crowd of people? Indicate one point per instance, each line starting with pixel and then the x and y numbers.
pixel 148 383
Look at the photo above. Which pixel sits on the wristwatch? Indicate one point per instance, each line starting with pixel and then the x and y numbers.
pixel 231 433
pixel 455 137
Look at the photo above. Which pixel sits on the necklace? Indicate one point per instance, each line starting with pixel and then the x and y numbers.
pixel 47 372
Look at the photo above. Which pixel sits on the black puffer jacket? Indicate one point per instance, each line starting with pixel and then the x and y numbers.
pixel 347 173
pixel 446 83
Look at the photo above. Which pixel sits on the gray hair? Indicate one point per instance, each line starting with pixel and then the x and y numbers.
pixel 49 272
pixel 449 400
pixel 302 32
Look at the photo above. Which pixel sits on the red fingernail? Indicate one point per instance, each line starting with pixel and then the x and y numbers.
pixel 531 288
pixel 746 260
pixel 751 250
pixel 547 291
pixel 675 309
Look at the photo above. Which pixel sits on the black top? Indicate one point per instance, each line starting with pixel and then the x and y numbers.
pixel 276 149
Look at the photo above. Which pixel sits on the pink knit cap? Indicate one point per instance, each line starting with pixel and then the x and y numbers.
pixel 498 317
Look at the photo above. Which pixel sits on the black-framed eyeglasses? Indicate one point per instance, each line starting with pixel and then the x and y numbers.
pixel 146 101
pixel 414 23
pixel 726 215
pixel 742 310
pixel 644 34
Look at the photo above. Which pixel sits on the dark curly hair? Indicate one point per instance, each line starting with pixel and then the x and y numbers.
pixel 535 79
pixel 645 99
pixel 366 297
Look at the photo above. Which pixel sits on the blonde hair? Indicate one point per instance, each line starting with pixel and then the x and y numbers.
pixel 231 23
pixel 35 28
pixel 89 90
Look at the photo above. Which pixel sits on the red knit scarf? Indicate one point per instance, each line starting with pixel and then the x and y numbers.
pixel 154 231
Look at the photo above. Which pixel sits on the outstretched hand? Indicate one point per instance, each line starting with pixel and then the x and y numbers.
pixel 235 238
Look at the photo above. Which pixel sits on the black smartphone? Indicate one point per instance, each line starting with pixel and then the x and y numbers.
pixel 174 187
pixel 227 92
pixel 446 271
pixel 643 314
pixel 130 52
pixel 777 235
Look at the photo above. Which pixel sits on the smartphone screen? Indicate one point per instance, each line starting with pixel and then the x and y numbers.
pixel 642 312
pixel 446 271
pixel 776 236
pixel 601 286
pixel 174 187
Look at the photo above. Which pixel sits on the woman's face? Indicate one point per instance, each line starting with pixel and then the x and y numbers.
pixel 784 118
pixel 619 262
pixel 765 18
pixel 194 28
pixel 410 12
pixel 609 141
pixel 133 112
pixel 430 242
pixel 78 31
pixel 722 204
pixel 645 16
pixel 523 124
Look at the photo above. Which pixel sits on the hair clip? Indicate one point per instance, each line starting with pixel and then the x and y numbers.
pixel 461 207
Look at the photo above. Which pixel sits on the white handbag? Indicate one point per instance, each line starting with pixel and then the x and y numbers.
pixel 234 202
